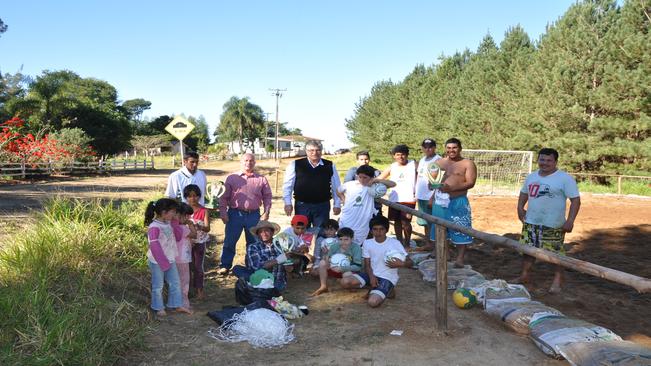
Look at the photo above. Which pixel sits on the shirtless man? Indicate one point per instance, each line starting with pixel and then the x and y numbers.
pixel 450 200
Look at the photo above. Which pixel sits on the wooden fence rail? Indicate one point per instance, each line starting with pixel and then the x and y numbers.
pixel 23 170
pixel 641 284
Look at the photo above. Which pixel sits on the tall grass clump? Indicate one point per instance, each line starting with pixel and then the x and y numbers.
pixel 73 285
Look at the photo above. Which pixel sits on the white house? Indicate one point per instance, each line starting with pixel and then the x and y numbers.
pixel 293 145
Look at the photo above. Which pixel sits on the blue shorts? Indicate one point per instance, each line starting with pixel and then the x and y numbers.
pixel 423 206
pixel 383 288
pixel 457 212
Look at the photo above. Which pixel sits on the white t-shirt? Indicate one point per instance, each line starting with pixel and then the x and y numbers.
pixel 376 252
pixel 405 178
pixel 422 190
pixel 182 178
pixel 358 209
pixel 547 197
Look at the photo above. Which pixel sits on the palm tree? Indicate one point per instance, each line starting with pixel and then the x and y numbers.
pixel 241 119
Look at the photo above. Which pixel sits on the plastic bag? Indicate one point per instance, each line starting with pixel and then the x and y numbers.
pixel 428 269
pixel 246 294
pixel 285 308
pixel 517 315
pixel 418 258
pixel 512 293
pixel 613 353
pixel 549 333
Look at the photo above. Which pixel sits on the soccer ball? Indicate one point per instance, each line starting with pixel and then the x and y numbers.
pixel 378 190
pixel 328 242
pixel 339 260
pixel 285 241
pixel 394 254
pixel 464 298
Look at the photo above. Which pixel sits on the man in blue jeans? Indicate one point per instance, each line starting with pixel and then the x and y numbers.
pixel 246 191
pixel 313 182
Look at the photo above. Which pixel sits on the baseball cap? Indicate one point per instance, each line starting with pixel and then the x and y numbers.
pixel 428 143
pixel 299 219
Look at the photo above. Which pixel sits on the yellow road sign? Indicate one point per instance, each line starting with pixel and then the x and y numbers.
pixel 179 127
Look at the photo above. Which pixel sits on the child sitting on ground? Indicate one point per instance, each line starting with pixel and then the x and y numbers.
pixel 329 231
pixel 299 253
pixel 345 246
pixel 381 274
pixel 201 219
pixel 188 232
pixel 162 254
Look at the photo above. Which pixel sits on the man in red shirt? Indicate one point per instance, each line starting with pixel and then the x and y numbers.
pixel 246 192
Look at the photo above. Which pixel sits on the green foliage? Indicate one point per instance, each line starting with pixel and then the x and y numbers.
pixel 3 27
pixel 75 141
pixel 240 121
pixel 73 285
pixel 583 89
pixel 63 99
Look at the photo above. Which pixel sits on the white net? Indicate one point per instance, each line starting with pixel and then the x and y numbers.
pixel 500 172
pixel 262 328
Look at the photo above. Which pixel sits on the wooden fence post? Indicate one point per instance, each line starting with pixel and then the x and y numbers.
pixel 619 184
pixel 22 169
pixel 276 186
pixel 152 162
pixel 441 279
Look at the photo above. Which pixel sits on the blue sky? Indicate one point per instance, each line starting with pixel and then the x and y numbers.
pixel 191 57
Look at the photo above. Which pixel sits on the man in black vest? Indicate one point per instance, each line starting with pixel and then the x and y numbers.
pixel 313 181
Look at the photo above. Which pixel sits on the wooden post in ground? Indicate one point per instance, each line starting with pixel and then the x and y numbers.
pixel 619 184
pixel 276 186
pixel 441 279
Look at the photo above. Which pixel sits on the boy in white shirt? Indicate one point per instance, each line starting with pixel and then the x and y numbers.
pixel 381 275
pixel 358 202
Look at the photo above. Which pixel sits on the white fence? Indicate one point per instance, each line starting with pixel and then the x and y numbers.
pixel 24 170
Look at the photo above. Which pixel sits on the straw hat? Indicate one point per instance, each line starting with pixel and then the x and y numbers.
pixel 265 224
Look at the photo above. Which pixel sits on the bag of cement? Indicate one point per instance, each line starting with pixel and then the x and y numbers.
pixel 611 353
pixel 517 315
pixel 466 276
pixel 428 269
pixel 512 293
pixel 456 276
pixel 549 333
pixel 480 289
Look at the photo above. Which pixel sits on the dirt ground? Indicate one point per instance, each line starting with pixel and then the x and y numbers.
pixel 341 330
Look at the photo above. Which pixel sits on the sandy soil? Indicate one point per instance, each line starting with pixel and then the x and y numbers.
pixel 342 330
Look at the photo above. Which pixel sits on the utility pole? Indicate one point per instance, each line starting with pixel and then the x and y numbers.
pixel 266 126
pixel 278 94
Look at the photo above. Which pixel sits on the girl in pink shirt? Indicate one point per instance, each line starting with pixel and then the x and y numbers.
pixel 163 234
pixel 184 254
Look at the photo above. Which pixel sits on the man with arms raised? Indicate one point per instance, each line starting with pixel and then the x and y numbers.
pixel 188 174
pixel 451 201
pixel 313 182
pixel 544 224
pixel 246 192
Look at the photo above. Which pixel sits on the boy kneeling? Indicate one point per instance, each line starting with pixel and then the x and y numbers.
pixel 381 274
pixel 351 251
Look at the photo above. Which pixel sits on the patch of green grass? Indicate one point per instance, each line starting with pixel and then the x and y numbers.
pixel 637 187
pixel 344 162
pixel 73 285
